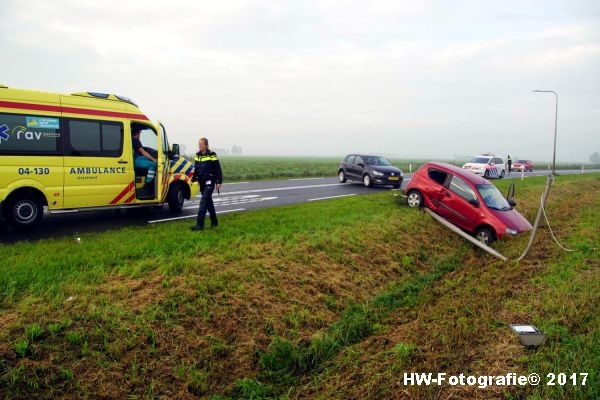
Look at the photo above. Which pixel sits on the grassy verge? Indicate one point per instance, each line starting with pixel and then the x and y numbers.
pixel 461 326
pixel 161 311
pixel 565 304
pixel 302 301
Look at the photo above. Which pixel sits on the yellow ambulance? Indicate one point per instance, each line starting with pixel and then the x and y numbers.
pixel 74 152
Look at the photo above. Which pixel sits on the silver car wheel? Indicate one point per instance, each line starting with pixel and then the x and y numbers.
pixel 414 199
pixel 367 180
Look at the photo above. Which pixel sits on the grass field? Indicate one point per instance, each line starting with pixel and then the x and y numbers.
pixel 319 300
pixel 250 168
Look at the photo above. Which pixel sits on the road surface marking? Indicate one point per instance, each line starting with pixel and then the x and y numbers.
pixel 227 198
pixel 332 197
pixel 280 188
pixel 232 202
pixel 191 216
pixel 304 179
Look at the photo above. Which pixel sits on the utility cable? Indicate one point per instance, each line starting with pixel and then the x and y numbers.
pixel 550 228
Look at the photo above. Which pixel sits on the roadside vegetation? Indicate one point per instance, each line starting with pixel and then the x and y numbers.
pixel 319 300
pixel 251 168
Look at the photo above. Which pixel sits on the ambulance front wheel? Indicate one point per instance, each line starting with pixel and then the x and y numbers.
pixel 23 210
pixel 175 198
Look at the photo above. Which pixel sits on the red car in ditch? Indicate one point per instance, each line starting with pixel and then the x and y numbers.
pixel 467 200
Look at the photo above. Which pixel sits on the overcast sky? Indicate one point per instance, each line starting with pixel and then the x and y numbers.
pixel 433 79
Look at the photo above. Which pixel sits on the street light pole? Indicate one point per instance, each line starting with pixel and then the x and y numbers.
pixel 555 126
pixel 549 182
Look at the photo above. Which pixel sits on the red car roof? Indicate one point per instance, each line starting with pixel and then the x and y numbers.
pixel 463 173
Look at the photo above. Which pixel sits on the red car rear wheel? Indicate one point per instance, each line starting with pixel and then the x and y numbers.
pixel 414 199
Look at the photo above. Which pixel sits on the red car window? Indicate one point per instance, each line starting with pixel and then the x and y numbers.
pixel 437 176
pixel 462 188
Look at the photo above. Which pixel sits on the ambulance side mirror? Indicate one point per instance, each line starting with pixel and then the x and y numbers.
pixel 174 152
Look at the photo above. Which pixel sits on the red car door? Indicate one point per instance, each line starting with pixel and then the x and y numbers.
pixel 458 203
pixel 433 186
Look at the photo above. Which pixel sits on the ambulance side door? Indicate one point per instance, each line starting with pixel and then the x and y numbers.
pixel 98 164
pixel 164 163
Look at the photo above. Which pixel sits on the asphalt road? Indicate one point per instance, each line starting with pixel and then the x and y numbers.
pixel 234 197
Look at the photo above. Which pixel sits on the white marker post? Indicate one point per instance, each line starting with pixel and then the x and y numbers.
pixel 410 167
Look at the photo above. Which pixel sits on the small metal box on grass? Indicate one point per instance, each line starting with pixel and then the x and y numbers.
pixel 529 335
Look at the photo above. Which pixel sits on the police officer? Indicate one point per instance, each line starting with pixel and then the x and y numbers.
pixel 208 172
pixel 509 162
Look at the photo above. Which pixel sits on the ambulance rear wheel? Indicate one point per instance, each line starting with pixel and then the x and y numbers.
pixel 175 198
pixel 23 210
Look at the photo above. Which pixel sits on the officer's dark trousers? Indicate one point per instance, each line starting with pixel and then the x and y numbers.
pixel 206 204
pixel 510 166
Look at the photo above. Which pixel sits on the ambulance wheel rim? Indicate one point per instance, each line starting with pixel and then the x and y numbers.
pixel 25 211
pixel 180 196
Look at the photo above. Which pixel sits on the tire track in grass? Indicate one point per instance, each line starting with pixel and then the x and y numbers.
pixel 285 364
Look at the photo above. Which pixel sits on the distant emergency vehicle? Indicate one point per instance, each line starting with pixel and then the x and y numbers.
pixel 523 165
pixel 71 152
pixel 486 165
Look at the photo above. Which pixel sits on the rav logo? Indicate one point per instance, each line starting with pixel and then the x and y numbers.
pixel 22 132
